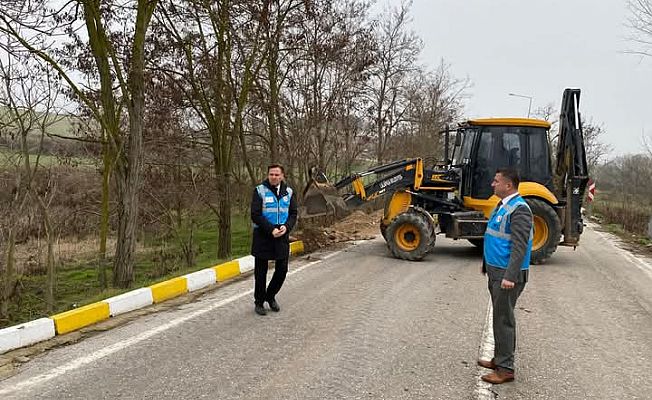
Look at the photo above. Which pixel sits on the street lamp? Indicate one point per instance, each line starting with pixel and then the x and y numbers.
pixel 529 107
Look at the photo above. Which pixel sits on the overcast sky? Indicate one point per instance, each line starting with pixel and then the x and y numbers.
pixel 538 48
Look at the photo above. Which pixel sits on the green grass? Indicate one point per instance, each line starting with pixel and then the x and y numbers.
pixel 9 157
pixel 77 283
pixel 57 124
pixel 614 228
pixel 63 125
pixel 627 236
pixel 643 241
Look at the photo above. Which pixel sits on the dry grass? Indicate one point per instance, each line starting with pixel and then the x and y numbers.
pixel 632 218
pixel 31 255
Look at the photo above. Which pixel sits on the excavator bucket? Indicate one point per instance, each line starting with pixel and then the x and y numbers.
pixel 321 198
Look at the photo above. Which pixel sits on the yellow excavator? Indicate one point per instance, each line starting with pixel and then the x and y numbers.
pixel 455 198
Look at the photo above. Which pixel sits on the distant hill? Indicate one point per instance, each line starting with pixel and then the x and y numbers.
pixel 63 125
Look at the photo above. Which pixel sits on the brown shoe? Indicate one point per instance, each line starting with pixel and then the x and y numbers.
pixel 499 376
pixel 487 364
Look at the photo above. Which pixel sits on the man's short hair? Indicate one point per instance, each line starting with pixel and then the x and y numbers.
pixel 511 174
pixel 279 166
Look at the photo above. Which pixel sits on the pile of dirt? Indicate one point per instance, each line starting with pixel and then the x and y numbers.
pixel 319 233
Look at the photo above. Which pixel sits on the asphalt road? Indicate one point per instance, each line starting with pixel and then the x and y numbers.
pixel 362 325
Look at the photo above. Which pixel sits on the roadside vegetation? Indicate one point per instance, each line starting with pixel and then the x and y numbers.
pixel 623 203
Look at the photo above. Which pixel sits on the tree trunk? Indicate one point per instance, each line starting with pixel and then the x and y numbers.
pixel 104 213
pixel 224 207
pixel 123 265
pixel 9 278
pixel 129 178
pixel 51 272
pixel 9 274
pixel 50 263
pixel 272 69
pixel 224 201
pixel 128 181
pixel 245 154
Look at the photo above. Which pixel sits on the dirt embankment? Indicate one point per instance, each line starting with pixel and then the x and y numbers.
pixel 317 233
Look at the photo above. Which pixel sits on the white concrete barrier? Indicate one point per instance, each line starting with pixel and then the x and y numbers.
pixel 36 331
pixel 246 263
pixel 129 301
pixel 41 329
pixel 26 334
pixel 9 339
pixel 201 279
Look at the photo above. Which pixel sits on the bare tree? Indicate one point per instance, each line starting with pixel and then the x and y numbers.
pixel 40 27
pixel 215 71
pixel 434 100
pixel 547 113
pixel 27 101
pixel 279 14
pixel 640 22
pixel 396 56
pixel 326 71
pixel 596 149
pixel 628 178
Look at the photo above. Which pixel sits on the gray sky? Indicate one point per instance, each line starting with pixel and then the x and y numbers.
pixel 538 48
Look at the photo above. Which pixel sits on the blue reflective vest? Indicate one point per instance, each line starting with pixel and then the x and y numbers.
pixel 275 210
pixel 497 237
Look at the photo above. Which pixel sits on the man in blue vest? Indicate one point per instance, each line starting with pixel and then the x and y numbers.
pixel 507 249
pixel 273 214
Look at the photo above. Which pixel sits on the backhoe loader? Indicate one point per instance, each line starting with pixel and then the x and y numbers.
pixel 455 198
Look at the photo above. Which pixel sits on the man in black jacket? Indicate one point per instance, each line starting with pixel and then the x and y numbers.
pixel 274 214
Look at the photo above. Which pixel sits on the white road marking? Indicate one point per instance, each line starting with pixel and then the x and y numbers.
pixel 99 354
pixel 483 389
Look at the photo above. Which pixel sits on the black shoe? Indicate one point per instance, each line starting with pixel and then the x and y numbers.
pixel 260 310
pixel 274 305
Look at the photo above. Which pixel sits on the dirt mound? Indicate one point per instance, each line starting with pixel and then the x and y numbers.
pixel 317 233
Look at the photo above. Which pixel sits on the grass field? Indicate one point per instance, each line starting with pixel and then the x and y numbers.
pixel 62 126
pixel 9 158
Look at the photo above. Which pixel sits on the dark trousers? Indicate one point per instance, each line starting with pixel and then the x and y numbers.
pixel 260 276
pixel 504 302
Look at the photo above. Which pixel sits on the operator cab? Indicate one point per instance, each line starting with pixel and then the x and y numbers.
pixel 484 145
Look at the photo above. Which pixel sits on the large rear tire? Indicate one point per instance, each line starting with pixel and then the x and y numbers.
pixel 547 230
pixel 410 236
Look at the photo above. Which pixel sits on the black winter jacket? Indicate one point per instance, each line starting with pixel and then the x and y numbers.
pixel 264 245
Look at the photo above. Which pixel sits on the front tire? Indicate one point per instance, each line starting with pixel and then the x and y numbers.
pixel 410 236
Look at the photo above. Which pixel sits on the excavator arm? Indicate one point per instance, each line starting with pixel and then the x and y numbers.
pixel 571 171
pixel 396 175
pixel 321 198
